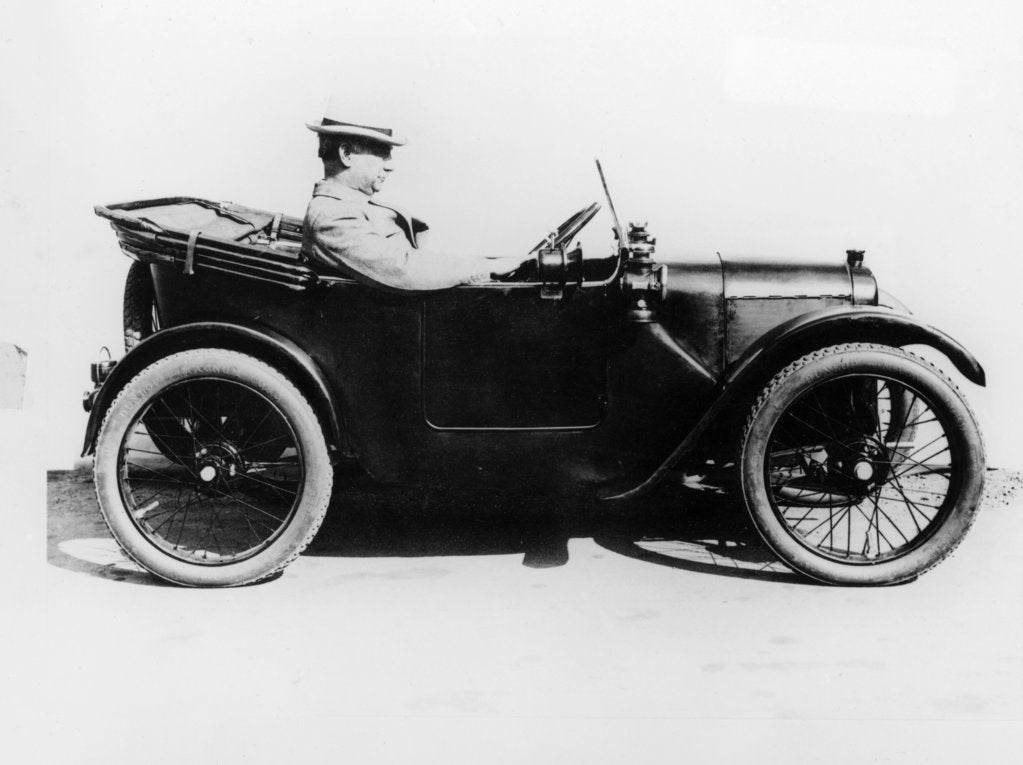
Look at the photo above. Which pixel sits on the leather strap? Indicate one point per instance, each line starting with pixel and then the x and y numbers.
pixel 190 253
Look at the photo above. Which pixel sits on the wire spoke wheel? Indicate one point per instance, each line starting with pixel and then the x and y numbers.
pixel 213 502
pixel 861 464
pixel 212 469
pixel 844 479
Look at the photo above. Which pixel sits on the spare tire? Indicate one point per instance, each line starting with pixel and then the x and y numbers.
pixel 140 317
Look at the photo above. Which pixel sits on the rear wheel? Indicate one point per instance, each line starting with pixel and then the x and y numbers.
pixel 862 464
pixel 212 497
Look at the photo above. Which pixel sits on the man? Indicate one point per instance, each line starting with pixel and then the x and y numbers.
pixel 345 229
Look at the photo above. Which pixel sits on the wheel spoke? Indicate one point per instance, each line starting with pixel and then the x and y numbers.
pixel 215 430
pixel 148 479
pixel 904 426
pixel 914 506
pixel 144 451
pixel 181 526
pixel 878 429
pixel 247 443
pixel 281 492
pixel 249 505
pixel 149 498
pixel 875 498
pixel 872 520
pixel 802 493
pixel 805 516
pixel 811 427
pixel 902 489
pixel 237 406
pixel 808 533
pixel 250 447
pixel 928 471
pixel 831 525
pixel 916 449
pixel 157 472
pixel 820 410
pixel 166 436
pixel 917 421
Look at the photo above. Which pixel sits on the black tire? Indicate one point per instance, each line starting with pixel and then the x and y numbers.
pixel 139 305
pixel 841 489
pixel 215 511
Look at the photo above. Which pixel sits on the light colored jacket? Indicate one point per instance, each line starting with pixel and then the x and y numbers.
pixel 376 244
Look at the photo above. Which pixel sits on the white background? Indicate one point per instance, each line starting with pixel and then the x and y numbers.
pixel 778 128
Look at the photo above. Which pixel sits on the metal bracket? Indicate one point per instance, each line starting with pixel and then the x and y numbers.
pixel 189 266
pixel 552 268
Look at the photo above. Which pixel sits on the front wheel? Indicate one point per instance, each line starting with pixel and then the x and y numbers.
pixel 862 465
pixel 194 497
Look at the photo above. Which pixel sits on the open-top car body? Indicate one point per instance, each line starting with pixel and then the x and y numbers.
pixel 251 373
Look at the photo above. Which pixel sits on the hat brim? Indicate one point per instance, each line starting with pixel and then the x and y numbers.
pixel 375 135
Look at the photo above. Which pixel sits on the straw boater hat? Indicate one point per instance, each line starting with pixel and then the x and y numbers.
pixel 332 124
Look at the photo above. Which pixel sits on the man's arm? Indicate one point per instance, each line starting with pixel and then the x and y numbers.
pixel 346 236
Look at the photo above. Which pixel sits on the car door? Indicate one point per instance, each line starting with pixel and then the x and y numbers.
pixel 501 357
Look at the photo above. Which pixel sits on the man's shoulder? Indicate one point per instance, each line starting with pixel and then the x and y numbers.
pixel 322 209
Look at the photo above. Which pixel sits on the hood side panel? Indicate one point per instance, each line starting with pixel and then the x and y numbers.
pixel 749 319
pixel 760 295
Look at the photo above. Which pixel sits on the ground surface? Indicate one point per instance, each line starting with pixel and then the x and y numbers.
pixel 421 627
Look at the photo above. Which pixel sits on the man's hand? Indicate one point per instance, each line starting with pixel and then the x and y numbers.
pixel 506 265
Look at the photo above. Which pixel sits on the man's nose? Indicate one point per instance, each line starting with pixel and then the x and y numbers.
pixel 388 166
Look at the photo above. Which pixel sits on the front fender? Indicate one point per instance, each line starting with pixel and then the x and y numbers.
pixel 260 342
pixel 849 324
pixel 795 338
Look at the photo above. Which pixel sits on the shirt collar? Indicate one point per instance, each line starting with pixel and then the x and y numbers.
pixel 336 190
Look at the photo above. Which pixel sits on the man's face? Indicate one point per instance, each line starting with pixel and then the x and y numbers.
pixel 367 166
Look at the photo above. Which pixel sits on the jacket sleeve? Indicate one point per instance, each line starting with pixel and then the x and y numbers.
pixel 346 237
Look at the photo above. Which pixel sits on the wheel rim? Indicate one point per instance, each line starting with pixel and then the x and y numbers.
pixel 200 487
pixel 862 469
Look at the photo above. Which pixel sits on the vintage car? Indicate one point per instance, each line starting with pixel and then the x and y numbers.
pixel 251 374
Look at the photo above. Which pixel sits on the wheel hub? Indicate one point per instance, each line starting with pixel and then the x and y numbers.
pixel 838 473
pixel 863 471
pixel 860 465
pixel 216 464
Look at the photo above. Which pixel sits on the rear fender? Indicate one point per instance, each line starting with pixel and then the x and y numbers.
pixel 264 344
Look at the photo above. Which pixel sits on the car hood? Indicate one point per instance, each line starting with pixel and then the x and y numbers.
pixel 746 278
pixel 717 306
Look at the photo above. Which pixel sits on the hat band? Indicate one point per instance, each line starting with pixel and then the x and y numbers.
pixel 385 131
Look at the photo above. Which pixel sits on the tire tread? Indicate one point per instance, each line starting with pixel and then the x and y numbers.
pixel 137 304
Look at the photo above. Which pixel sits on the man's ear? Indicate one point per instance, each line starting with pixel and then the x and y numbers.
pixel 344 154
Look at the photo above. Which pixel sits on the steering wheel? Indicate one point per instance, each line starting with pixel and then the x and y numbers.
pixel 566 232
